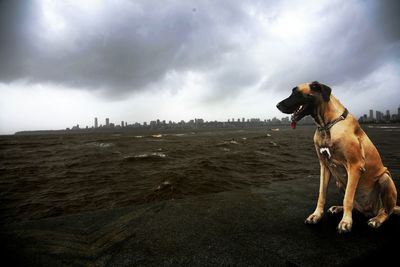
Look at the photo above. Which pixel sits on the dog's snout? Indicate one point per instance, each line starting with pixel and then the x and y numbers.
pixel 279 106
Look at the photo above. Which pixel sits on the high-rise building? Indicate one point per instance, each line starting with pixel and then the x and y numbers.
pixel 107 122
pixel 398 113
pixel 371 115
pixel 379 116
pixel 387 115
pixel 96 123
pixel 122 124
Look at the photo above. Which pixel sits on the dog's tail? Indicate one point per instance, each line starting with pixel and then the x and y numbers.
pixel 396 210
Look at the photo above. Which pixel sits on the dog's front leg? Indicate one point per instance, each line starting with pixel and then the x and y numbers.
pixel 325 175
pixel 353 173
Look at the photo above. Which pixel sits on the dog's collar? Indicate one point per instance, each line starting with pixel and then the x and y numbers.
pixel 329 125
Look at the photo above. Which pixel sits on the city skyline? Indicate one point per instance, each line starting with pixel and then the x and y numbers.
pixel 378 117
pixel 373 116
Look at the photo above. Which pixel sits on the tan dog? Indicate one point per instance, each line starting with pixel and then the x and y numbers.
pixel 345 152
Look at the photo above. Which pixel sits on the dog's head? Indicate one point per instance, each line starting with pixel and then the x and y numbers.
pixel 304 100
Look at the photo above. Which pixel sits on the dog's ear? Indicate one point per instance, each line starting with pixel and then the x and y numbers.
pixel 322 88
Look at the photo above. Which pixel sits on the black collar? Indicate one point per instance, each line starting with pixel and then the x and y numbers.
pixel 329 125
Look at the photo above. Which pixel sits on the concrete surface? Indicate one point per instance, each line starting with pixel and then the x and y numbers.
pixel 255 227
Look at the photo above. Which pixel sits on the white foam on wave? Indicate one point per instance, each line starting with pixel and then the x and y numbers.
pixel 273 143
pixel 146 155
pixel 384 127
pixel 163 185
pixel 227 143
pixel 262 153
pixel 102 145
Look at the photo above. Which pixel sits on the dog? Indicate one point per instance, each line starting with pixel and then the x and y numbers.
pixel 346 153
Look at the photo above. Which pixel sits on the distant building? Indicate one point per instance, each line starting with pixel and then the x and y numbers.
pixel 371 114
pixel 96 123
pixel 379 116
pixel 387 115
pixel 122 124
pixel 364 118
pixel 107 122
pixel 284 120
pixel 398 113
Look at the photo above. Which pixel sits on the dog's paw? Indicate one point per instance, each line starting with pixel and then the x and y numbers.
pixel 344 226
pixel 374 222
pixel 335 209
pixel 313 218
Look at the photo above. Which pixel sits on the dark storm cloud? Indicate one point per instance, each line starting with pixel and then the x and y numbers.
pixel 14 37
pixel 125 47
pixel 387 17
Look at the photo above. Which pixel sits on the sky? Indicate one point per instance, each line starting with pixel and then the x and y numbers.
pixel 63 63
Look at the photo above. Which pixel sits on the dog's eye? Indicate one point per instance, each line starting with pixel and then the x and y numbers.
pixel 296 92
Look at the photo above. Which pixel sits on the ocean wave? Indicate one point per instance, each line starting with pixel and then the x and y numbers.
pixel 102 145
pixel 262 153
pixel 151 155
pixel 227 143
pixel 383 127
pixel 181 134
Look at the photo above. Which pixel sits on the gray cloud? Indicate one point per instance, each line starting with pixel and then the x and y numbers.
pixel 124 48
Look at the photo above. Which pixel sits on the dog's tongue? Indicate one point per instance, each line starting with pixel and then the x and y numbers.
pixel 293 124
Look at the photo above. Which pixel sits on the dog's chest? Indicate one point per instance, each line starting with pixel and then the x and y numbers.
pixel 328 150
pixel 331 156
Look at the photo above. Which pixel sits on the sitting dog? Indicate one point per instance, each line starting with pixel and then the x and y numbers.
pixel 345 152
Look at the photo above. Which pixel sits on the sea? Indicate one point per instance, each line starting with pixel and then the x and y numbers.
pixel 50 175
